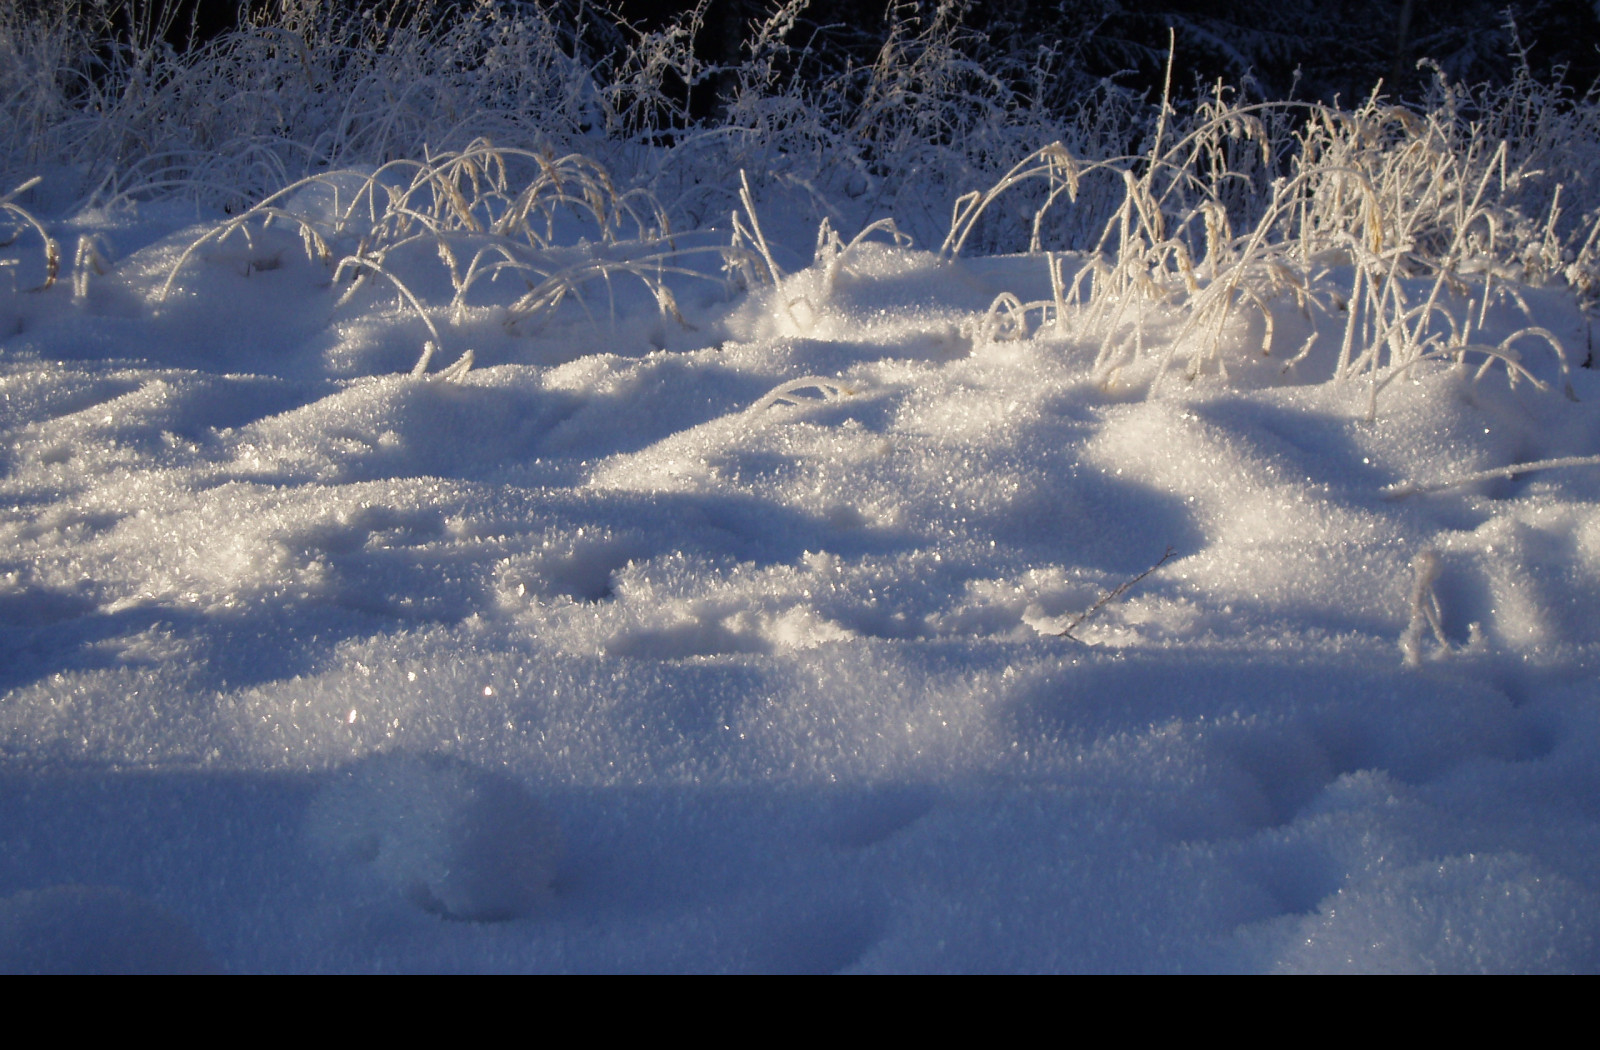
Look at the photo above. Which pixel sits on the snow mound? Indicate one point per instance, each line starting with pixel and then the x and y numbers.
pixel 95 929
pixel 458 841
pixel 1497 913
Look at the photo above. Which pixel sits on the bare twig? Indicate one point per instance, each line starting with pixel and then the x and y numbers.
pixel 1111 596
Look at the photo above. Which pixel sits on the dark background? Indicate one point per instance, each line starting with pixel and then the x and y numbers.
pixel 1273 49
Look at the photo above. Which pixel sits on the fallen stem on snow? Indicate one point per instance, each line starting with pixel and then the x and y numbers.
pixel 1111 596
pixel 1402 489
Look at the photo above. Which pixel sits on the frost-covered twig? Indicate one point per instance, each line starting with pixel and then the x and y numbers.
pixel 1424 608
pixel 455 373
pixel 52 252
pixel 787 393
pixel 753 230
pixel 89 259
pixel 1402 489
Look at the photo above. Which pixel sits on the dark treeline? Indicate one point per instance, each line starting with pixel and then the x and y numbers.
pixel 1274 49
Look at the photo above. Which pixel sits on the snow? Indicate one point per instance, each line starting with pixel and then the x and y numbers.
pixel 753 639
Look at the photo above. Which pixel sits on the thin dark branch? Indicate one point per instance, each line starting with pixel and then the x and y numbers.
pixel 1111 596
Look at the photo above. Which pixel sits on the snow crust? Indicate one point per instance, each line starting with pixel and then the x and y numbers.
pixel 755 640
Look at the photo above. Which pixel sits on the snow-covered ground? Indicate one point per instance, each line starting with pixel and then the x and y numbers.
pixel 755 628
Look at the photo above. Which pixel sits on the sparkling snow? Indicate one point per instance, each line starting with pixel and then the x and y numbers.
pixel 755 640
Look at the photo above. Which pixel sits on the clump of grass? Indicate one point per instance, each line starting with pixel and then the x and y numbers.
pixel 1390 229
pixel 553 224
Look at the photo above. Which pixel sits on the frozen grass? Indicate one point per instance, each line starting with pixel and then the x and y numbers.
pixel 22 220
pixel 1392 233
pixel 482 214
pixel 304 90
pixel 1351 243
pixel 301 90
